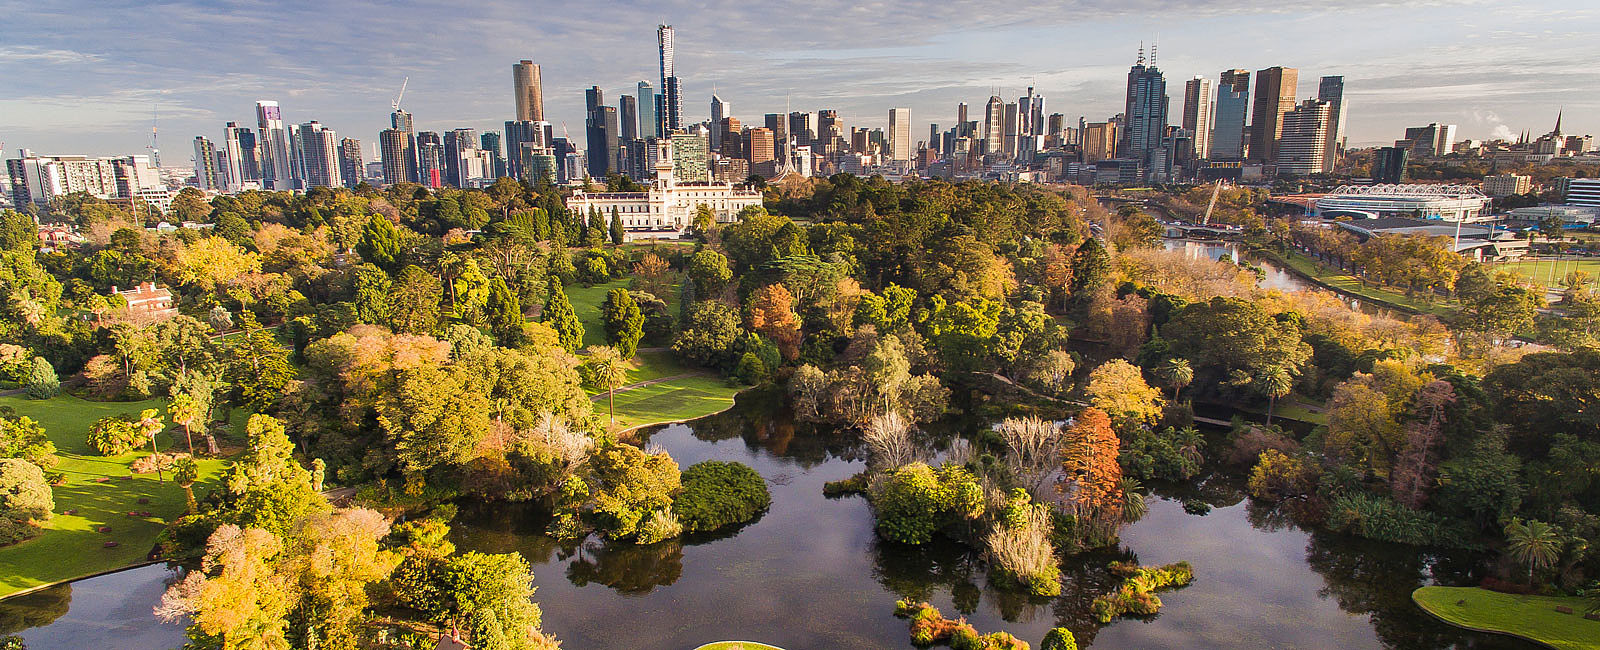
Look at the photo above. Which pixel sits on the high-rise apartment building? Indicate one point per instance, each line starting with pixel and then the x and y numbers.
pixel 319 146
pixel 233 157
pixel 1228 132
pixel 994 125
pixel 489 143
pixel 401 122
pixel 1429 141
pixel 627 117
pixel 523 138
pixel 37 179
pixel 206 175
pixel 351 170
pixel 1197 116
pixel 1145 114
pixel 671 102
pixel 297 157
pixel 395 147
pixel 900 134
pixel 1331 90
pixel 529 90
pixel 274 146
pixel 1275 89
pixel 1099 141
pixel 647 108
pixel 1498 185
pixel 760 148
pixel 1304 140
pixel 459 145
pixel 430 159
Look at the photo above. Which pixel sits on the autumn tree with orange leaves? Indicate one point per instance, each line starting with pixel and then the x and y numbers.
pixel 772 314
pixel 1093 479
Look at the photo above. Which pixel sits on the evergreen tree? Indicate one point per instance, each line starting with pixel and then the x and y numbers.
pixel 595 235
pixel 504 314
pixel 616 226
pixel 381 243
pixel 560 267
pixel 558 314
pixel 624 322
pixel 44 384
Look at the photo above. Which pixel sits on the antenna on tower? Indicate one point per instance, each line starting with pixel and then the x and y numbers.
pixel 397 98
pixel 1153 45
pixel 1141 53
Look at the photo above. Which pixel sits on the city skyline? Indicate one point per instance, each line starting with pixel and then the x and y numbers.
pixel 1488 94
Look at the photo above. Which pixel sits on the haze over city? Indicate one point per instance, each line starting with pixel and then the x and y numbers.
pixel 86 77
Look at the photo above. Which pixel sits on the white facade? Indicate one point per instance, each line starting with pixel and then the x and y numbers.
pixel 667 208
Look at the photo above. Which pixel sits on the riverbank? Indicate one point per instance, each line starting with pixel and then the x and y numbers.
pixel 1349 285
pixel 1534 618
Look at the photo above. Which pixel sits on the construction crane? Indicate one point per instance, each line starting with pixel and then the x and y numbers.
pixel 1213 204
pixel 397 98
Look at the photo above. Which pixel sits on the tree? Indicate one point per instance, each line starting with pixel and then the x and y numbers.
pixel 257 367
pixel 434 417
pixel 150 426
pixel 1177 373
pixel 558 314
pixel 772 314
pixel 185 472
pixel 1224 335
pixel 24 499
pixel 381 243
pixel 605 369
pixel 1275 383
pixel 650 275
pixel 1118 388
pixel 1533 543
pixel 498 583
pixel 709 335
pixel 1093 478
pixel 186 411
pixel 42 382
pixel 1059 639
pixel 709 271
pixel 1091 266
pixel 414 301
pixel 266 487
pixel 114 436
pixel 1418 462
pixel 624 322
pixel 503 311
pixel 616 227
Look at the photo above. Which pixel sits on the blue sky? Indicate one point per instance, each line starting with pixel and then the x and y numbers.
pixel 83 76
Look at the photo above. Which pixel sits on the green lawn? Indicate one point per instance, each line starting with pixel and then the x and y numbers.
pixel 1528 617
pixel 671 401
pixel 1539 271
pixel 70 546
pixel 737 645
pixel 1347 283
pixel 586 303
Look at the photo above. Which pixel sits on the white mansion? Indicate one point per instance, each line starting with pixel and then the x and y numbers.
pixel 667 208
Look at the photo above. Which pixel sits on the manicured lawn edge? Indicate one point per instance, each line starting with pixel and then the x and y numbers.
pixel 738 645
pixel 1348 285
pixel 1528 617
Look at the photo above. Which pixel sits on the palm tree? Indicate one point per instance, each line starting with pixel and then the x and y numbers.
pixel 1134 507
pixel 1178 374
pixel 1534 543
pixel 1276 383
pixel 150 425
pixel 607 371
pixel 185 410
pixel 185 472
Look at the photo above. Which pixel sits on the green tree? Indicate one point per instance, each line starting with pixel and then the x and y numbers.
pixel 504 314
pixel 381 243
pixel 1059 639
pixel 186 411
pixel 265 487
pixel 1532 543
pixel 616 227
pixel 605 369
pixel 42 382
pixel 558 314
pixel 501 583
pixel 373 293
pixel 414 301
pixel 709 335
pixel 624 322
pixel 24 498
pixel 257 367
pixel 114 436
pixel 1274 384
pixel 1091 267
pixel 709 271
pixel 434 417
pixel 18 232
pixel 1177 373
pixel 185 472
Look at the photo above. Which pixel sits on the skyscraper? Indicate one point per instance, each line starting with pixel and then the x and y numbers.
pixel 459 144
pixel 1275 88
pixel 994 125
pixel 628 117
pixel 396 148
pixel 274 146
pixel 1233 108
pixel 522 138
pixel 1305 139
pixel 351 169
pixel 205 164
pixel 778 124
pixel 319 146
pixel 430 159
pixel 761 147
pixel 800 128
pixel 1009 133
pixel 249 155
pixel 1331 90
pixel 671 117
pixel 900 134
pixel 1145 114
pixel 647 109
pixel 603 141
pixel 1197 116
pixel 232 157
pixel 401 121
pixel 528 87
pixel 297 156
pixel 490 142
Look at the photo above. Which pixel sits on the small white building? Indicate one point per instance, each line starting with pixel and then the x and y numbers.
pixel 666 209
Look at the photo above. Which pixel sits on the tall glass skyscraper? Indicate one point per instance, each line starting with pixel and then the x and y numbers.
pixel 670 113
pixel 1233 107
pixel 1146 113
pixel 647 108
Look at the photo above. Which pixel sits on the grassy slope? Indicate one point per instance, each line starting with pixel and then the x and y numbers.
pixel 1538 271
pixel 70 547
pixel 1529 617
pixel 1350 284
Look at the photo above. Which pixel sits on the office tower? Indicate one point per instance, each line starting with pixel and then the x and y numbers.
pixel 1228 137
pixel 647 109
pixel 800 129
pixel 689 157
pixel 828 125
pixel 1008 146
pixel 297 156
pixel 459 145
pixel 249 155
pixel 603 141
pixel 961 113
pixel 1305 139
pixel 719 109
pixel 1025 113
pixel 489 143
pixel 778 124
pixel 529 91
pixel 1430 141
pixel 401 121
pixel 1389 165
pixel 274 146
pixel 205 165
pixel 1197 116
pixel 232 151
pixel 1035 114
pixel 1275 88
pixel 430 159
pixel 628 117
pixel 396 148
pixel 994 125
pixel 671 117
pixel 1099 141
pixel 900 134
pixel 1056 125
pixel 761 148
pixel 1145 115
pixel 319 147
pixel 521 137
pixel 1331 90
pixel 732 139
pixel 351 169
pixel 593 97
pixel 933 137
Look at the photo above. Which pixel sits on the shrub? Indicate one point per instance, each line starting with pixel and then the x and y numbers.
pixel 42 380
pixel 149 464
pixel 661 525
pixel 854 485
pixel 928 627
pixel 717 494
pixel 114 436
pixel 1020 548
pixel 1385 520
pixel 915 501
pixel 1278 476
pixel 25 497
pixel 1059 639
pixel 1170 454
pixel 1136 595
